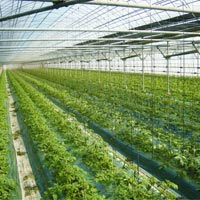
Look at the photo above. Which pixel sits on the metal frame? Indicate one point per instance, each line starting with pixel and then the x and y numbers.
pixel 23 40
pixel 150 32
pixel 143 6
pixel 133 5
pixel 56 5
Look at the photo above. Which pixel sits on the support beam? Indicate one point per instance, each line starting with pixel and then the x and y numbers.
pixel 84 61
pixel 143 6
pixel 44 0
pixel 62 47
pixel 104 55
pixel 183 53
pixel 162 53
pixel 102 59
pixel 56 5
pixel 137 54
pixel 150 32
pixel 195 47
pixel 80 39
pixel 128 57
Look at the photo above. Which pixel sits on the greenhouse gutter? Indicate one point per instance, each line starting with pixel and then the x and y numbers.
pixel 186 188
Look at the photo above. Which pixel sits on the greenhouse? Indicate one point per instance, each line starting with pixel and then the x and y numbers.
pixel 99 99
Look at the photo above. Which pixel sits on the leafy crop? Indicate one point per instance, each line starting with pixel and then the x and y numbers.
pixel 7 182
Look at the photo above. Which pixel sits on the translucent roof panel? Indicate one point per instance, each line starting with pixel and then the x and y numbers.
pixel 85 16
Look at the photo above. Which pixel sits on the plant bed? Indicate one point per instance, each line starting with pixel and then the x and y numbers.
pixel 67 180
pixel 185 188
pixel 88 149
pixel 166 147
pixel 9 188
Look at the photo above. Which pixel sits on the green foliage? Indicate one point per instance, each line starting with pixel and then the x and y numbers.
pixel 153 122
pixel 68 178
pixel 158 129
pixel 7 183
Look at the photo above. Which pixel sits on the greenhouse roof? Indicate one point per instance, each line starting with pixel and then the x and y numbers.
pixel 41 30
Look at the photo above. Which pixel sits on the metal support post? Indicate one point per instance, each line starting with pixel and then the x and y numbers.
pixel 124 65
pixel 168 81
pixel 143 84
pixel 81 62
pixel 99 70
pixel 198 67
pixel 167 58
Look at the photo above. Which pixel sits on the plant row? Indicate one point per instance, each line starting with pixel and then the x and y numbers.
pixel 171 150
pixel 92 152
pixel 67 181
pixel 179 85
pixel 174 115
pixel 8 178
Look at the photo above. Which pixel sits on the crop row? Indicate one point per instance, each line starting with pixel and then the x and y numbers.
pixel 91 152
pixel 67 180
pixel 157 84
pixel 169 112
pixel 164 112
pixel 172 150
pixel 7 175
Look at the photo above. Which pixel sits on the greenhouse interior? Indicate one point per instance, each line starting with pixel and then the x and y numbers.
pixel 99 99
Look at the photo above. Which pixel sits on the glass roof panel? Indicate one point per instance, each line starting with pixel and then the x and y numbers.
pixel 80 16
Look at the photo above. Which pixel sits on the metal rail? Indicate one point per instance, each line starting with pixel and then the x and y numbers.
pixel 103 30
pixel 82 39
pixel 143 6
pixel 99 39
